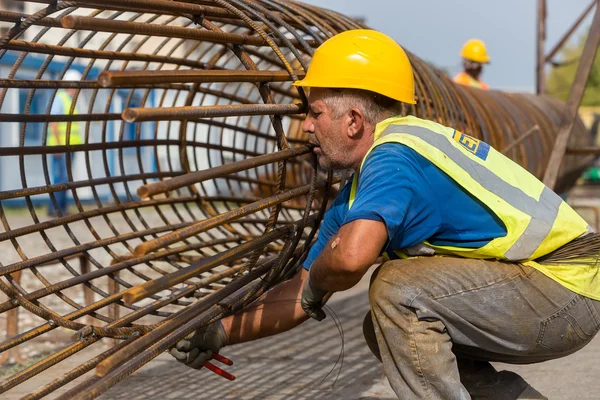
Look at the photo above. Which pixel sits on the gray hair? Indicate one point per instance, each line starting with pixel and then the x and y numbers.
pixel 374 106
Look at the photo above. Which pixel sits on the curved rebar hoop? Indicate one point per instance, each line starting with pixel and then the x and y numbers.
pixel 190 185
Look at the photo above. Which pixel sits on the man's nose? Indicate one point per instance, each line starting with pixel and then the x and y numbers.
pixel 308 126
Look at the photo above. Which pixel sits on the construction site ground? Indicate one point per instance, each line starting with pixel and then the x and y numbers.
pixel 322 361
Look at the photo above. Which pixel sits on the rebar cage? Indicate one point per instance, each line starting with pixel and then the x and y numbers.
pixel 191 188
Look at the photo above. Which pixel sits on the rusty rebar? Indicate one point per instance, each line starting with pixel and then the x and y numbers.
pixel 532 131
pixel 105 25
pixel 191 312
pixel 116 78
pixel 152 189
pixel 191 112
pixel 41 48
pixel 137 293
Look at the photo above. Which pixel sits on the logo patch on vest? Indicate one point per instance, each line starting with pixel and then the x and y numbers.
pixel 472 145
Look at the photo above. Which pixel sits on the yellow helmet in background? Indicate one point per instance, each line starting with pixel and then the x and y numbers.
pixel 474 50
pixel 362 59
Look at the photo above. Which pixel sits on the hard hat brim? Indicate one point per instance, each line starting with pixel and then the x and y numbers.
pixel 387 89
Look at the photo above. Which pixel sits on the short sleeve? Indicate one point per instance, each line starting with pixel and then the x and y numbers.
pixel 393 189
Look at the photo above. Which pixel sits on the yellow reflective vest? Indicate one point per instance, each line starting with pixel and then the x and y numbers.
pixel 75 134
pixel 537 220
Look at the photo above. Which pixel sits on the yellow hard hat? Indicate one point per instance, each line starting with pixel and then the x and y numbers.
pixel 474 50
pixel 362 59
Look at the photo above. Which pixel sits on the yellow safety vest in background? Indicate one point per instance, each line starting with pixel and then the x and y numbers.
pixel 75 136
pixel 537 220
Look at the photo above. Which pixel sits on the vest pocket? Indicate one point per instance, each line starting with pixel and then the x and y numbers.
pixel 568 329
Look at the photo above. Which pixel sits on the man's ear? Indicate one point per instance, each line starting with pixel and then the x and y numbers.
pixel 356 123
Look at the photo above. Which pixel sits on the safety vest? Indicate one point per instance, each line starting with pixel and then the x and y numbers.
pixel 537 220
pixel 75 134
pixel 467 80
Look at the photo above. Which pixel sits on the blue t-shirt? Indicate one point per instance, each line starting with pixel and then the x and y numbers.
pixel 415 200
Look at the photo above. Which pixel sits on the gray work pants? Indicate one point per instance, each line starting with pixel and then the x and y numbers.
pixel 439 320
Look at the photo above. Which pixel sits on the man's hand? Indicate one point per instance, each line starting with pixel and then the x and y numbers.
pixel 312 300
pixel 199 346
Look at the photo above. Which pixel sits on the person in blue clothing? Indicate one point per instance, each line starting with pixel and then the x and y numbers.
pixel 469 237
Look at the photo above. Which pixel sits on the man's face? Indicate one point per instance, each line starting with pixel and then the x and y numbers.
pixel 473 67
pixel 326 133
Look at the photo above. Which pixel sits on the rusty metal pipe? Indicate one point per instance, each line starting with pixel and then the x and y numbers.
pixel 188 314
pixel 73 348
pixel 58 117
pixel 35 369
pixel 16 17
pixel 116 78
pixel 105 25
pixel 72 148
pixel 144 290
pixel 209 223
pixel 584 150
pixel 533 130
pixel 40 48
pixel 160 6
pixel 46 258
pixel 50 289
pixel 86 214
pixel 192 112
pixel 152 189
pixel 75 372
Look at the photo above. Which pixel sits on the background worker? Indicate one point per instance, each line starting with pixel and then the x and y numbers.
pixel 474 55
pixel 422 189
pixel 57 136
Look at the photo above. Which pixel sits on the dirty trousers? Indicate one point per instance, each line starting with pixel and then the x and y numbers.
pixel 438 321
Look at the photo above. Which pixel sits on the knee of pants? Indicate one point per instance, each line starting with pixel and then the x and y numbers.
pixel 369 334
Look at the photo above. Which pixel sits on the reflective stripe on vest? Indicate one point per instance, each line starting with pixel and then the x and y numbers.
pixel 537 219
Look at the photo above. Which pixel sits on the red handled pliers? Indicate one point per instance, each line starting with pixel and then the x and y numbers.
pixel 216 356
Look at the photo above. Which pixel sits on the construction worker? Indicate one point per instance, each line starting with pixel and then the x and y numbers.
pixel 461 225
pixel 474 55
pixel 57 136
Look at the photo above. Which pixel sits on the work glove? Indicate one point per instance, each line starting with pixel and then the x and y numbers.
pixel 312 300
pixel 199 345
